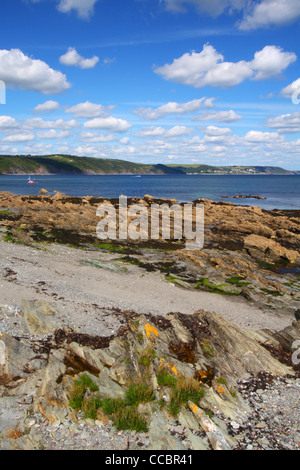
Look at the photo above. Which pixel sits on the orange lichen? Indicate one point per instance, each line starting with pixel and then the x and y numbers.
pixel 221 389
pixel 151 331
pixel 168 366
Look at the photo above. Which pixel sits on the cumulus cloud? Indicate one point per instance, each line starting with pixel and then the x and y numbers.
pixel 53 134
pixel 47 107
pixel 270 12
pixel 20 71
pixel 157 131
pixel 287 123
pixel 88 110
pixel 271 61
pixel 169 108
pixel 93 137
pixel 216 131
pixel 18 138
pixel 7 122
pixel 209 103
pixel 211 7
pixel 294 87
pixel 208 67
pixel 84 8
pixel 72 58
pixel 109 123
pixel 219 116
pixel 39 123
pixel 256 13
pixel 263 137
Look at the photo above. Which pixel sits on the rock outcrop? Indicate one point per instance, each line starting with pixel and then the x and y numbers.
pixel 247 251
pixel 203 351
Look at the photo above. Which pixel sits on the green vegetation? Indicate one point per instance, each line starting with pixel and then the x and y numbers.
pixel 77 398
pixel 137 393
pixel 164 379
pixel 71 164
pixel 10 238
pixel 129 418
pixel 146 356
pixel 276 293
pixel 251 170
pixel 216 288
pixel 239 281
pixel 123 411
pixel 183 391
pixel 5 212
pixel 222 380
pixel 207 349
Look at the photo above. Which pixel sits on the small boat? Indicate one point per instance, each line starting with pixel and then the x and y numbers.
pixel 30 181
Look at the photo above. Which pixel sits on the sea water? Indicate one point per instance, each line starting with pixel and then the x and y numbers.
pixel 281 192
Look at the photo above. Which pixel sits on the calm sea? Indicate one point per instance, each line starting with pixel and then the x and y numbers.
pixel 282 192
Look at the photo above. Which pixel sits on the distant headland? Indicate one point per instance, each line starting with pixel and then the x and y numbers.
pixel 70 164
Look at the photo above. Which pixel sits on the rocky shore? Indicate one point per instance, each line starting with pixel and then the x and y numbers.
pixel 211 332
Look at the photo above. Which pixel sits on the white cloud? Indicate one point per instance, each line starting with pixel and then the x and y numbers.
pixel 18 138
pixel 7 122
pixel 157 131
pixel 271 61
pixel 294 87
pixel 88 110
pixel 216 131
pixel 94 137
pixel 256 13
pixel 209 103
pixel 169 108
pixel 178 131
pixel 20 71
pixel 46 107
pixel 84 8
pixel 270 12
pixel 287 123
pixel 219 116
pixel 211 7
pixel 263 137
pixel 72 58
pixel 53 134
pixel 39 123
pixel 208 67
pixel 108 123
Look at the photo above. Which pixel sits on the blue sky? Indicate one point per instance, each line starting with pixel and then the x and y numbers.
pixel 169 81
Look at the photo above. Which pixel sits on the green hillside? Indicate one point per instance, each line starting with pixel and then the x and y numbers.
pixel 70 164
pixel 251 170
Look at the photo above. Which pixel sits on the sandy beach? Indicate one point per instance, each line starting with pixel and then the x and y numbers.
pixel 83 294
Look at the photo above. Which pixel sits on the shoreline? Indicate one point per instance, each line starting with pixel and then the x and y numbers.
pixel 221 320
pixel 67 278
pixel 239 270
pixel 45 193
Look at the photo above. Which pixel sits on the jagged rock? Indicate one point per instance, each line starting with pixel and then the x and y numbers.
pixel 159 436
pixel 214 434
pixel 39 317
pixel 203 347
pixel 269 250
pixel 14 355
